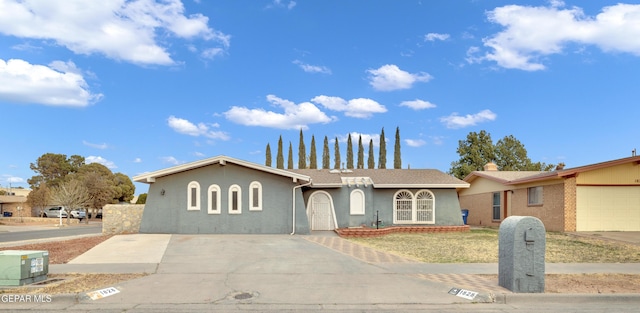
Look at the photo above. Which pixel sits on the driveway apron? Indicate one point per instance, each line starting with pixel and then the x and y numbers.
pixel 273 269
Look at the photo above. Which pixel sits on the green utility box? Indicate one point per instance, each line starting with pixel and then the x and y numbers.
pixel 22 267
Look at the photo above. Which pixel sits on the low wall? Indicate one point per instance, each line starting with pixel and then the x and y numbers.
pixel 36 220
pixel 121 218
pixel 373 232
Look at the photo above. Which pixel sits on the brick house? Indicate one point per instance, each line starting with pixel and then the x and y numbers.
pixel 597 197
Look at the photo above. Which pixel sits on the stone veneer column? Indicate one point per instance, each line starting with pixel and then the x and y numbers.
pixel 570 204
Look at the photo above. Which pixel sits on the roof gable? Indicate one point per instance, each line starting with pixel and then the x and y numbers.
pixel 151 177
pixel 521 177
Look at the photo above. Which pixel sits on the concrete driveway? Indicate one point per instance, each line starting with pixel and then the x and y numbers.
pixel 262 269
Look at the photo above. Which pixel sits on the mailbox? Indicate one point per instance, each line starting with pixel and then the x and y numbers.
pixel 22 267
pixel 521 266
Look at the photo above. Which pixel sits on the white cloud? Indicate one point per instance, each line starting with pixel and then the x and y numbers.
pixel 171 160
pixel 358 108
pixel 211 53
pixel 531 33
pixel 185 127
pixel 435 36
pixel 117 29
pixel 312 68
pixel 137 160
pixel 418 104
pixel 415 142
pixel 295 116
pixel 282 4
pixel 59 84
pixel 456 121
pixel 98 159
pixel 13 179
pixel 389 77
pixel 101 146
pixel 365 139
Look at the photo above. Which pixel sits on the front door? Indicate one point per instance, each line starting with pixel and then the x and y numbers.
pixel 321 212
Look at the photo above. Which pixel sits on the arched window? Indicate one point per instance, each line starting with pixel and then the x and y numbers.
pixel 356 206
pixel 193 196
pixel 403 207
pixel 425 205
pixel 235 199
pixel 255 196
pixel 408 209
pixel 213 200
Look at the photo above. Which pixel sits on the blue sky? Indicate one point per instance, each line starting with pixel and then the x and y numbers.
pixel 144 85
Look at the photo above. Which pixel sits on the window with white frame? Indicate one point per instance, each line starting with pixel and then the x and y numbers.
pixel 356 205
pixel 414 209
pixel 255 196
pixel 193 196
pixel 213 200
pixel 235 199
pixel 496 206
pixel 534 195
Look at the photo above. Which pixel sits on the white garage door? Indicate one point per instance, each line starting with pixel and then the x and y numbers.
pixel 608 208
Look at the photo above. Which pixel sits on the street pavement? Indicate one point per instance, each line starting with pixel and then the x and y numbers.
pixel 319 272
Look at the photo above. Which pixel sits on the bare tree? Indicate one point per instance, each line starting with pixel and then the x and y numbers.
pixel 71 194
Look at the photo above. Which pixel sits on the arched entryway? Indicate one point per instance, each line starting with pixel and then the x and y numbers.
pixel 321 212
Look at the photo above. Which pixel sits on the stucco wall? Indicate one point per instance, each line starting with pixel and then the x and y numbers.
pixel 166 207
pixel 447 207
pixel 121 218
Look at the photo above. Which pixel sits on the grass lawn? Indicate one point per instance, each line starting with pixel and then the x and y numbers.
pixel 481 246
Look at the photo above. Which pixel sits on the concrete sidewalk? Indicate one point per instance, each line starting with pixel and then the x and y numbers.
pixel 297 273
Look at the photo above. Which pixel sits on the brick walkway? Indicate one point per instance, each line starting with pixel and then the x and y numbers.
pixel 366 254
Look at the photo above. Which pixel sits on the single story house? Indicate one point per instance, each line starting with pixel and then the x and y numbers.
pixel 228 195
pixel 597 197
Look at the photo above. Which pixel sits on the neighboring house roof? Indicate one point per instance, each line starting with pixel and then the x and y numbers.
pixel 152 176
pixel 520 177
pixel 13 199
pixel 382 178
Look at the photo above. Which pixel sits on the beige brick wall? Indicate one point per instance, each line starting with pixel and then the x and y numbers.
pixel 480 208
pixel 570 204
pixel 121 218
pixel 551 212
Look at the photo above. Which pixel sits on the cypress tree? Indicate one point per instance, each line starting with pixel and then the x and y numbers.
pixel 302 153
pixel 290 158
pixel 267 161
pixel 326 160
pixel 280 156
pixel 313 161
pixel 397 159
pixel 382 155
pixel 360 153
pixel 371 162
pixel 349 153
pixel 336 157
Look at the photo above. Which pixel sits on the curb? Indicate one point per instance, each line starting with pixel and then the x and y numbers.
pixel 533 298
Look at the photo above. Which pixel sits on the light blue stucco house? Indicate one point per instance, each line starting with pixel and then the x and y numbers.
pixel 224 195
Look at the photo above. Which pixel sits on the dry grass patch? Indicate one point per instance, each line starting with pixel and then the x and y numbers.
pixel 481 246
pixel 72 283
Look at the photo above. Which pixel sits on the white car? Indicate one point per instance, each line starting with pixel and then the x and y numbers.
pixel 78 213
pixel 56 211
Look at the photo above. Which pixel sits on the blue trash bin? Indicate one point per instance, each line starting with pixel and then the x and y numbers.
pixel 465 214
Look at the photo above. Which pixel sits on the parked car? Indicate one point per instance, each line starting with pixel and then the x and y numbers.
pixel 56 211
pixel 99 214
pixel 78 213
